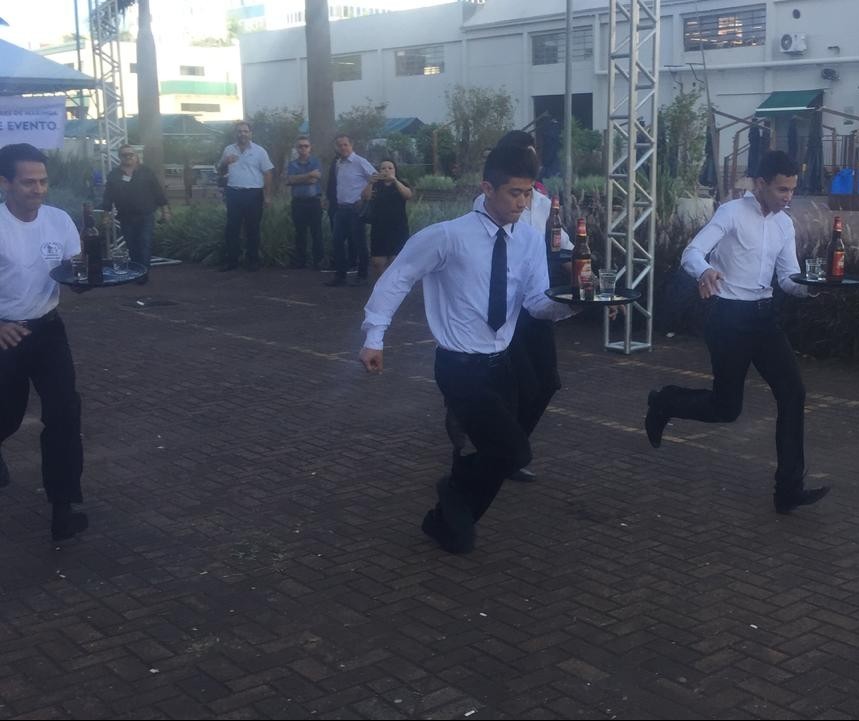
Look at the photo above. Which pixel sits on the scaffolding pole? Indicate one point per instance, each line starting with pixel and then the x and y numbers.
pixel 104 28
pixel 633 87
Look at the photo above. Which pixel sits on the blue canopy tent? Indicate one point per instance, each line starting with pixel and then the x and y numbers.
pixel 26 73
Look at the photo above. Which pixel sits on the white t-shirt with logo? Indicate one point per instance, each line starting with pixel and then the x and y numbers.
pixel 28 252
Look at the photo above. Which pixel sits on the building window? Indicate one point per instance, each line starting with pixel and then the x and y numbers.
pixel 198 70
pixel 346 67
pixel 550 48
pixel 247 12
pixel 200 107
pixel 732 28
pixel 132 68
pixel 421 61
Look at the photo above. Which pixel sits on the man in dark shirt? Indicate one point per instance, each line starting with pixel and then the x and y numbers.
pixel 303 175
pixel 137 193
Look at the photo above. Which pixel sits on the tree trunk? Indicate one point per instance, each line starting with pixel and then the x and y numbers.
pixel 320 87
pixel 148 101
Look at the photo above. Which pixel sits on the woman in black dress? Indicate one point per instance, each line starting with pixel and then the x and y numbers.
pixel 389 228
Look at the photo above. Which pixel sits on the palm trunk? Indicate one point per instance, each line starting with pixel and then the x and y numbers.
pixel 320 88
pixel 148 102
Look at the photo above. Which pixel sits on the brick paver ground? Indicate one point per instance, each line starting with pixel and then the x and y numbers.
pixel 255 551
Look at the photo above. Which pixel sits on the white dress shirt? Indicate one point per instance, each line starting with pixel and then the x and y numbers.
pixel 28 252
pixel 746 246
pixel 537 215
pixel 454 260
pixel 248 171
pixel 353 174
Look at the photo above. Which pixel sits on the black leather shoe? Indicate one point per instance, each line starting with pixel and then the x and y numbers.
pixel 654 421
pixel 523 475
pixel 5 478
pixel 335 282
pixel 436 528
pixel 67 523
pixel 785 504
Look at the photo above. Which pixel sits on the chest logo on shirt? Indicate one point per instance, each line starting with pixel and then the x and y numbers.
pixel 52 251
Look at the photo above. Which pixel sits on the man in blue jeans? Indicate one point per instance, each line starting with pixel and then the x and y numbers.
pixel 303 176
pixel 248 171
pixel 353 174
pixel 136 193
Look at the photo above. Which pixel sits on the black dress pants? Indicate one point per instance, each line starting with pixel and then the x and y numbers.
pixel 307 215
pixel 535 363
pixel 480 391
pixel 740 333
pixel 44 358
pixel 244 208
pixel 349 226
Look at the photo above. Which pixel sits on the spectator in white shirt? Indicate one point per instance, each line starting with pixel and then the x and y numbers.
pixel 734 258
pixel 353 173
pixel 248 170
pixel 469 266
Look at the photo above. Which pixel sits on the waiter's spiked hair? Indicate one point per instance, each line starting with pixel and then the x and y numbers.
pixel 505 162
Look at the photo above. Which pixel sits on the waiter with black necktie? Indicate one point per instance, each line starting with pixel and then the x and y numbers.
pixel 478 271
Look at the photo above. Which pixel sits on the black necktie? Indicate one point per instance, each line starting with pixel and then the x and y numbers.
pixel 498 282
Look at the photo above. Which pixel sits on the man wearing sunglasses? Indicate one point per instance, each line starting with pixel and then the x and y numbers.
pixel 137 193
pixel 303 175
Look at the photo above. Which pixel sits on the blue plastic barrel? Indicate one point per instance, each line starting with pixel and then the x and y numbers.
pixel 842 183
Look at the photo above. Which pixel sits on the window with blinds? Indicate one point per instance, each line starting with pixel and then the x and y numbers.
pixel 731 28
pixel 550 48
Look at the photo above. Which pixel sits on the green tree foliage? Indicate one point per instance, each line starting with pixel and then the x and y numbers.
pixel 445 144
pixel 586 149
pixel 401 148
pixel 478 117
pixel 362 123
pixel 681 137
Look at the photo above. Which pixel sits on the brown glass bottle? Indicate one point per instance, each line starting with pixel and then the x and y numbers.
pixel 835 254
pixel 91 246
pixel 554 226
pixel 581 252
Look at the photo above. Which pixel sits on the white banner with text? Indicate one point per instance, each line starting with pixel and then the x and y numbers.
pixel 38 121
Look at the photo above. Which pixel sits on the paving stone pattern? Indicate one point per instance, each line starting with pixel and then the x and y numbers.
pixel 255 551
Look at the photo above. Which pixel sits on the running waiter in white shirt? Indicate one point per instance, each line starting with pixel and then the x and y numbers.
pixel 34 238
pixel 747 240
pixel 469 266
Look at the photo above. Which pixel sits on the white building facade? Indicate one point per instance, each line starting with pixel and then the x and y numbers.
pixel 201 81
pixel 409 60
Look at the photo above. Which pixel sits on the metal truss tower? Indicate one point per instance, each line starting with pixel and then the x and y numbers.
pixel 104 30
pixel 633 85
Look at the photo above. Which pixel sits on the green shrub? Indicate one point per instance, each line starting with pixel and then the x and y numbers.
pixel 196 234
pixel 421 213
pixel 435 182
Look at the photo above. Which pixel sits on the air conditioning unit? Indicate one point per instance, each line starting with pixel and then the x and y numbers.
pixel 794 43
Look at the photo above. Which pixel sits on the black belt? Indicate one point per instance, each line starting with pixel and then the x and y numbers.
pixel 35 322
pixel 760 305
pixel 349 206
pixel 489 360
pixel 306 197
